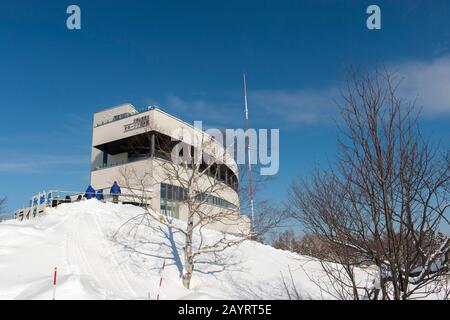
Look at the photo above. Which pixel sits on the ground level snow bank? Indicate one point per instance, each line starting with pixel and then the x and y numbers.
pixel 98 257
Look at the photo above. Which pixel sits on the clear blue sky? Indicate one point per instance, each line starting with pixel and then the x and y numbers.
pixel 188 57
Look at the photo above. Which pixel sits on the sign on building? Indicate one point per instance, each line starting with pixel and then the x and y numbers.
pixel 137 123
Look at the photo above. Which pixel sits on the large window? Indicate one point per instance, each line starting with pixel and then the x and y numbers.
pixel 170 208
pixel 159 145
pixel 173 193
pixel 171 196
pixel 215 201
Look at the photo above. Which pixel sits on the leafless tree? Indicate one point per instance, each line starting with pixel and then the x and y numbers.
pixel 286 240
pixel 307 245
pixel 198 191
pixel 268 216
pixel 290 287
pixel 382 203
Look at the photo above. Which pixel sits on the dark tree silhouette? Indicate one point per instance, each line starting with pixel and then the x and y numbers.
pixel 384 200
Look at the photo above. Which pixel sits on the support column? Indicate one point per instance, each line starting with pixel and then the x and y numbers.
pixel 152 150
pixel 105 157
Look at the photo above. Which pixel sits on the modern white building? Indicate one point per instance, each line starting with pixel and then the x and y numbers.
pixel 132 147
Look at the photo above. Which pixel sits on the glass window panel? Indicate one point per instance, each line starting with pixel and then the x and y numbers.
pixel 163 191
pixel 170 192
pixel 175 193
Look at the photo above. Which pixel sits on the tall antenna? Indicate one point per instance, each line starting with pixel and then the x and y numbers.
pixel 249 154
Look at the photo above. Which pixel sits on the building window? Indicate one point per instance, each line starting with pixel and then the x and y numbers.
pixel 173 193
pixel 215 201
pixel 170 208
pixel 171 196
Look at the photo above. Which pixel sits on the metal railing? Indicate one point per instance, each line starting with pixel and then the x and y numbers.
pixel 120 163
pixel 125 117
pixel 55 198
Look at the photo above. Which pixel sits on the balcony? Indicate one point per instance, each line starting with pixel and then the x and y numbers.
pixel 120 163
pixel 124 116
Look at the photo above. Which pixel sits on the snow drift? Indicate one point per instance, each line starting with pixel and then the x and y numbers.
pixel 98 257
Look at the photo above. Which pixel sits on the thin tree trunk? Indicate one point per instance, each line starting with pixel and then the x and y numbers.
pixel 188 258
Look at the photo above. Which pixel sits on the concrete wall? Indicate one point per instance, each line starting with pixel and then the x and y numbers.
pixel 155 169
pixel 161 122
pixel 107 115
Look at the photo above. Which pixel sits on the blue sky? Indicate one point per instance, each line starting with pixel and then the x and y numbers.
pixel 188 58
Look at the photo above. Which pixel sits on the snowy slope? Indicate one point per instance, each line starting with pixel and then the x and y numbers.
pixel 97 259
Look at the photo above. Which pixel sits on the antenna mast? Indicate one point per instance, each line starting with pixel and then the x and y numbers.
pixel 249 154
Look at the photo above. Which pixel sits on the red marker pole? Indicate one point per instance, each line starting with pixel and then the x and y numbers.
pixel 54 282
pixel 161 278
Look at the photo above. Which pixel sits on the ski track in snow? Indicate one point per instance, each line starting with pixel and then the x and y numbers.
pixel 89 258
pixel 77 238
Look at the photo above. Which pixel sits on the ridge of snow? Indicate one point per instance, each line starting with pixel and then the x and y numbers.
pixel 78 238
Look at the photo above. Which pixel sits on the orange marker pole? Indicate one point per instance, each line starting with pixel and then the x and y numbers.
pixel 54 282
pixel 161 279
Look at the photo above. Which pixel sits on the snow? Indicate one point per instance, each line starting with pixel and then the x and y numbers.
pixel 98 259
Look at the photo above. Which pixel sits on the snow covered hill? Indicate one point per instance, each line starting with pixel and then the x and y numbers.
pixel 97 259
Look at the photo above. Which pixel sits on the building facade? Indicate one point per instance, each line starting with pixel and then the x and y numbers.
pixel 134 148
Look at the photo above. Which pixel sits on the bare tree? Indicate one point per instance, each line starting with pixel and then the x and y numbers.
pixel 290 287
pixel 268 217
pixel 197 188
pixel 307 244
pixel 286 240
pixel 385 199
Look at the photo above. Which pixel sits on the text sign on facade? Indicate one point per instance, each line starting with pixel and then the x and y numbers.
pixel 137 123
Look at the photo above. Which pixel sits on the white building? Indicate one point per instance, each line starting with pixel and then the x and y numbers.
pixel 133 148
pixel 126 140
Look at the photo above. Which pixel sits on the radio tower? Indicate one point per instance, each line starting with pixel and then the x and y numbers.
pixel 249 155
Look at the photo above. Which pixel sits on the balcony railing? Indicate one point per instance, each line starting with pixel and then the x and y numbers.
pixel 121 117
pixel 120 163
pixel 162 156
